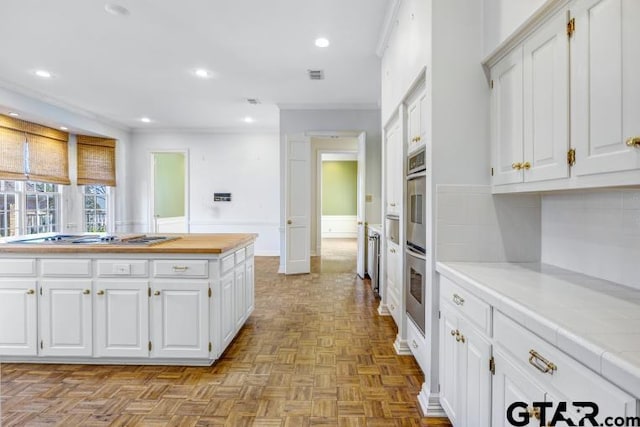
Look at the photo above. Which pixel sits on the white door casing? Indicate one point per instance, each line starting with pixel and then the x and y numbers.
pixel 361 209
pixel 297 205
pixel 173 224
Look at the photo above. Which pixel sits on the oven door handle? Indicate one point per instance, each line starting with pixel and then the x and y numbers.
pixel 416 254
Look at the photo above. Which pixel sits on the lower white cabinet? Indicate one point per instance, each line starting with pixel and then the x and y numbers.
pixel 65 320
pixel 465 378
pixel 240 308
pixel 122 318
pixel 18 317
pixel 249 286
pixel 180 319
pixel 227 322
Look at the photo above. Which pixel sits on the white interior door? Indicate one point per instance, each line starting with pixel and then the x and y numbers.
pixel 362 242
pixel 297 205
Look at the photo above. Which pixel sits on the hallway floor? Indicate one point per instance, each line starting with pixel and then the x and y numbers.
pixel 314 352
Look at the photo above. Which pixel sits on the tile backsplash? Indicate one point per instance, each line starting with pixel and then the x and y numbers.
pixel 595 232
pixel 474 225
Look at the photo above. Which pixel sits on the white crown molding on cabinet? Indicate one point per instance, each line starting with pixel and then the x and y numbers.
pixel 387 26
pixel 544 12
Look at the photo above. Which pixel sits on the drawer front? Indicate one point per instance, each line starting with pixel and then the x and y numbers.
pixel 417 344
pixel 249 250
pixel 122 267
pixel 17 267
pixel 66 267
pixel 568 379
pixel 181 268
pixel 227 263
pixel 476 310
pixel 240 254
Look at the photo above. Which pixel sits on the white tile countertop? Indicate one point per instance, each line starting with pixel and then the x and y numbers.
pixel 595 321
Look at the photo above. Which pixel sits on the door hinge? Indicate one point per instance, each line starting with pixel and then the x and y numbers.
pixel 439 314
pixel 40 291
pixel 438 388
pixel 150 346
pixel 571 27
pixel 491 171
pixel 571 157
pixel 149 292
pixel 491 84
pixel 492 365
pixel 209 292
pixel 41 344
pixel 210 347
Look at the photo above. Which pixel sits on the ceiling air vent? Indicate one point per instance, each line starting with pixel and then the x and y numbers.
pixel 253 101
pixel 316 74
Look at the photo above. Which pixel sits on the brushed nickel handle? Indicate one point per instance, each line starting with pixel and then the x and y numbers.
pixel 100 292
pixel 86 292
pixel 526 166
pixel 516 166
pixel 458 300
pixel 180 268
pixel 156 293
pixel 31 291
pixel 546 367
pixel 634 141
pixel 289 222
pixel 414 344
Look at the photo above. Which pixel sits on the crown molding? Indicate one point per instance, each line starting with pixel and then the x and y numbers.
pixel 328 106
pixel 388 23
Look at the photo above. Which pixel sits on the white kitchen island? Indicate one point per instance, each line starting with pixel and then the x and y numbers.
pixel 177 302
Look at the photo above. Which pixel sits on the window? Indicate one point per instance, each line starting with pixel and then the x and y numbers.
pixel 29 207
pixel 95 208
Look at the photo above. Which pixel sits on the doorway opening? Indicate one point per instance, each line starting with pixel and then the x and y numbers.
pixel 169 198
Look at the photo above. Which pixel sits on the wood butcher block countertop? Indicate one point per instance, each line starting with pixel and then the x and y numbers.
pixel 184 244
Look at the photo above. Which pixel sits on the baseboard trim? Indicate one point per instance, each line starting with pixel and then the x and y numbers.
pixel 430 403
pixel 383 310
pixel 401 347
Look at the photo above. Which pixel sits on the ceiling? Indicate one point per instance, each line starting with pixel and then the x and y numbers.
pixel 123 68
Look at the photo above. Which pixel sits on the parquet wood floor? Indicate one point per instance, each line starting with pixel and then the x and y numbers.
pixel 314 353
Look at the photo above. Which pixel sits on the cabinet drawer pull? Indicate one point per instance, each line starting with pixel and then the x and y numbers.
pixel 414 344
pixel 31 291
pixel 458 299
pixel 180 268
pixel 156 293
pixel 634 141
pixel 545 367
pixel 100 292
pixel 86 292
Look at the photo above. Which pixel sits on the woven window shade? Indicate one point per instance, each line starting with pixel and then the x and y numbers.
pixel 96 161
pixel 12 154
pixel 47 152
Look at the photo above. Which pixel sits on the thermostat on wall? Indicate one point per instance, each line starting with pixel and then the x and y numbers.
pixel 221 197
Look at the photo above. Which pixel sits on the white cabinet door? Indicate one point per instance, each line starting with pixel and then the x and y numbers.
pixel 393 167
pixel 249 295
pixel 416 120
pixel 510 385
pixel 506 119
pixel 65 318
pixel 450 393
pixel 227 321
pixel 18 318
pixel 393 261
pixel 122 318
pixel 475 377
pixel 180 318
pixel 240 309
pixel 605 101
pixel 546 102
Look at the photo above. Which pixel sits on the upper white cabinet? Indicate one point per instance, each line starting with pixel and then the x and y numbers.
pixel 529 108
pixel 416 119
pixel 18 317
pixel 605 101
pixel 393 168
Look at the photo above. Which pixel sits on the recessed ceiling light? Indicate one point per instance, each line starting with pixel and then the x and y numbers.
pixel 14 114
pixel 116 9
pixel 202 73
pixel 145 120
pixel 248 119
pixel 322 42
pixel 64 128
pixel 43 73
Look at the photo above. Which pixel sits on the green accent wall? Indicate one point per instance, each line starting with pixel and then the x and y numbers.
pixel 169 184
pixel 339 188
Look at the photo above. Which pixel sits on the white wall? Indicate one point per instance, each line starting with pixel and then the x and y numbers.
pixel 594 232
pixel 301 121
pixel 246 165
pixel 503 17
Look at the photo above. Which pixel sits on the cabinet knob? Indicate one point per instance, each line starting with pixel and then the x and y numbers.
pixel 458 300
pixel 454 333
pixel 414 344
pixel 634 141
pixel 156 293
pixel 534 413
pixel 418 139
pixel 86 292
pixel 31 291
pixel 393 251
pixel 516 166
pixel 526 166
pixel 100 292
pixel 289 222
